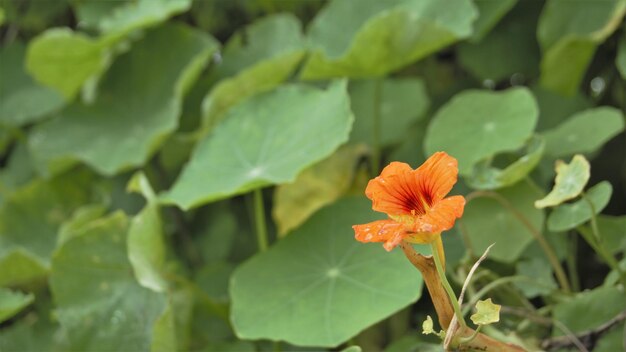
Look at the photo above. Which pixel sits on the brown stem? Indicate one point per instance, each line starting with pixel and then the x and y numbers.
pixel 426 265
pixel 481 342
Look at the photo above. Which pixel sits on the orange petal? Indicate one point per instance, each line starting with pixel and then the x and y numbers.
pixel 393 192
pixel 437 175
pixel 441 216
pixel 387 231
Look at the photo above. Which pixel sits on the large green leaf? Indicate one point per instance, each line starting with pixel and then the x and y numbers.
pixel 569 182
pixel 584 132
pixel 258 58
pixel 138 105
pixel 492 122
pixel 401 102
pixel 64 60
pixel 99 303
pixel 604 302
pixel 333 288
pixel 569 32
pixel 382 36
pixel 510 48
pixel 265 140
pixel 568 216
pixel 11 302
pixel 555 108
pixel 22 100
pixel 488 221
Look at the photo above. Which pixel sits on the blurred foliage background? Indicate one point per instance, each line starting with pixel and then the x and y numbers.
pixel 183 175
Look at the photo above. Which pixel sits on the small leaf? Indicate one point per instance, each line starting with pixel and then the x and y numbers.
pixel 493 122
pixel 612 230
pixel 490 12
pixel 427 326
pixel 584 132
pixel 568 216
pixel 65 60
pixel 489 177
pixel 268 139
pixel 569 183
pixel 333 288
pixel 315 187
pixel 486 313
pixel 12 302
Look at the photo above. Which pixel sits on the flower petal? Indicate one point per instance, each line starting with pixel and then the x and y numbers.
pixel 437 175
pixel 394 191
pixel 441 216
pixel 387 231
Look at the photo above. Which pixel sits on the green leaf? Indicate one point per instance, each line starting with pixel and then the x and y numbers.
pixel 511 48
pixel 146 247
pixel 568 216
pixel 584 132
pixel 83 216
pixel 32 215
pixel 265 140
pixel 2 16
pixel 12 302
pixel 493 122
pixel 334 287
pixel 490 12
pixel 260 57
pixel 315 187
pixel 555 108
pixel 487 221
pixel 164 337
pixel 89 13
pixel 537 270
pixel 137 107
pixel 403 101
pixel 604 302
pixel 64 60
pixel 569 33
pixel 382 36
pixel 620 60
pixel 22 100
pixel 352 349
pixel 612 231
pixel 110 311
pixel 569 182
pixel 486 176
pixel 486 312
pixel 19 267
pixel 140 14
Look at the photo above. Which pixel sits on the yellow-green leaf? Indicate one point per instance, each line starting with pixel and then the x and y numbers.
pixel 570 181
pixel 486 313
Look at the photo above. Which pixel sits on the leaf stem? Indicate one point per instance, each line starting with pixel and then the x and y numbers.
pixel 444 280
pixel 376 152
pixel 545 246
pixel 259 219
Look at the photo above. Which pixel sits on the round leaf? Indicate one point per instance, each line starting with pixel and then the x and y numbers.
pixel 267 139
pixel 584 132
pixel 333 288
pixel 493 122
pixel 568 216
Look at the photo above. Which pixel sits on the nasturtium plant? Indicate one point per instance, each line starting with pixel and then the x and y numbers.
pixel 180 175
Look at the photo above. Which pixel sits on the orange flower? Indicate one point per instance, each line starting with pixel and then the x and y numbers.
pixel 414 201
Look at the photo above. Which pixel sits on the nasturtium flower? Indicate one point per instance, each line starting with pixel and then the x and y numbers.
pixel 414 201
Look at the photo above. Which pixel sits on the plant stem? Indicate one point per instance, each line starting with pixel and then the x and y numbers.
pixel 545 246
pixel 259 219
pixel 444 281
pixel 607 257
pixel 572 264
pixel 376 158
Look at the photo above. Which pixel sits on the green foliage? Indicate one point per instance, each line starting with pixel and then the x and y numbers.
pixel 486 313
pixel 317 299
pixel 133 132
